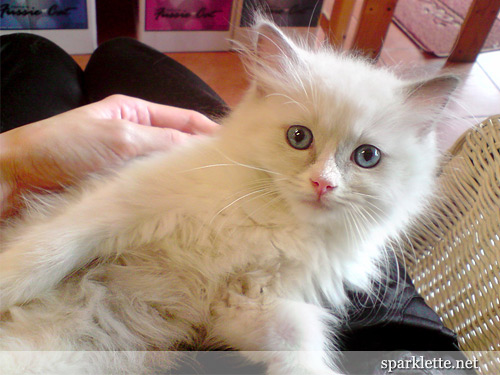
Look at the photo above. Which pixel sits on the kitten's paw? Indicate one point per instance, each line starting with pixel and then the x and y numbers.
pixel 241 294
pixel 252 284
pixel 246 291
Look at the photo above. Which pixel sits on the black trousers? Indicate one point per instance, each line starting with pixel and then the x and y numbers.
pixel 40 80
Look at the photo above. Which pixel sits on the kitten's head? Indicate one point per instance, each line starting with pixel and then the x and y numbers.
pixel 344 140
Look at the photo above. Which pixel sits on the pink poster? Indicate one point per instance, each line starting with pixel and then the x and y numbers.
pixel 188 15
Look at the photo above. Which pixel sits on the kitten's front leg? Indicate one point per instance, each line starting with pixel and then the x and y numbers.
pixel 289 337
pixel 41 257
pixel 40 254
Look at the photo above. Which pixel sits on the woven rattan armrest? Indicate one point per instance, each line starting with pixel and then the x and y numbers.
pixel 454 256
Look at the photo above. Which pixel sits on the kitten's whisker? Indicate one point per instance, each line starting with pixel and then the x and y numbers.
pixel 234 164
pixel 357 211
pixel 364 215
pixel 368 197
pixel 398 277
pixel 263 183
pixel 349 228
pixel 262 192
pixel 234 202
pixel 390 245
pixel 405 251
pixel 265 205
pixel 265 189
pixel 355 223
pixel 372 205
pixel 371 214
pixel 208 166
pixel 253 189
pixel 246 165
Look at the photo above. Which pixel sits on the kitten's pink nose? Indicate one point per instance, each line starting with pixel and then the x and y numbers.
pixel 322 186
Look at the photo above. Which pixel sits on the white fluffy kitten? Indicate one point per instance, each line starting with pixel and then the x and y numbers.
pixel 240 239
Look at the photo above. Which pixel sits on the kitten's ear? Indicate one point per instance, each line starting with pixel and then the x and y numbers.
pixel 272 45
pixel 272 56
pixel 429 97
pixel 434 92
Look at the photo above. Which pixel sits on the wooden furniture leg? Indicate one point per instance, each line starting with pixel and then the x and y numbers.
pixel 336 25
pixel 374 22
pixel 474 30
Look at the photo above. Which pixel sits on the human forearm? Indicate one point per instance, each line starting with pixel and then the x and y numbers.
pixel 63 149
pixel 13 146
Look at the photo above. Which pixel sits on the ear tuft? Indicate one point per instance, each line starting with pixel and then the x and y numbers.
pixel 272 44
pixel 272 56
pixel 272 48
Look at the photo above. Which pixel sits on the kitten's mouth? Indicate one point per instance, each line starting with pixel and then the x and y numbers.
pixel 317 204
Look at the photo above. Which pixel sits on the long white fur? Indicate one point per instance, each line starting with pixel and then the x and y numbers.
pixel 213 244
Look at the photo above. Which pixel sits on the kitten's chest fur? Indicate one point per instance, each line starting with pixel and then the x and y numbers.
pixel 178 280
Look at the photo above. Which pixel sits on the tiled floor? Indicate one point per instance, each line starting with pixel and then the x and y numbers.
pixel 477 97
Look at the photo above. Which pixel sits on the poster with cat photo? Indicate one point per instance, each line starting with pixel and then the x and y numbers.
pixel 70 24
pixel 186 25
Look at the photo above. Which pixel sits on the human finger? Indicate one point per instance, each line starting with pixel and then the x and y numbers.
pixel 152 114
pixel 184 120
pixel 146 139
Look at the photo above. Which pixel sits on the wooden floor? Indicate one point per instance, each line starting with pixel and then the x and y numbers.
pixel 477 98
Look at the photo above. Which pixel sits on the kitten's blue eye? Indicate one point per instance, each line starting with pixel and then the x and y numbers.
pixel 366 156
pixel 299 137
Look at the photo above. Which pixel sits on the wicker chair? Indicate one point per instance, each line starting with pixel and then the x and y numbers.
pixel 455 254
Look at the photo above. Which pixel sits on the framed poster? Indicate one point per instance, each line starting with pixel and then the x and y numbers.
pixel 299 16
pixel 43 15
pixel 186 25
pixel 68 23
pixel 285 13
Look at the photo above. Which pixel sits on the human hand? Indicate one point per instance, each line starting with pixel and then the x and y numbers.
pixel 63 149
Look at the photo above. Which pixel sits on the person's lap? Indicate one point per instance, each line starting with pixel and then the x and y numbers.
pixel 126 66
pixel 40 80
